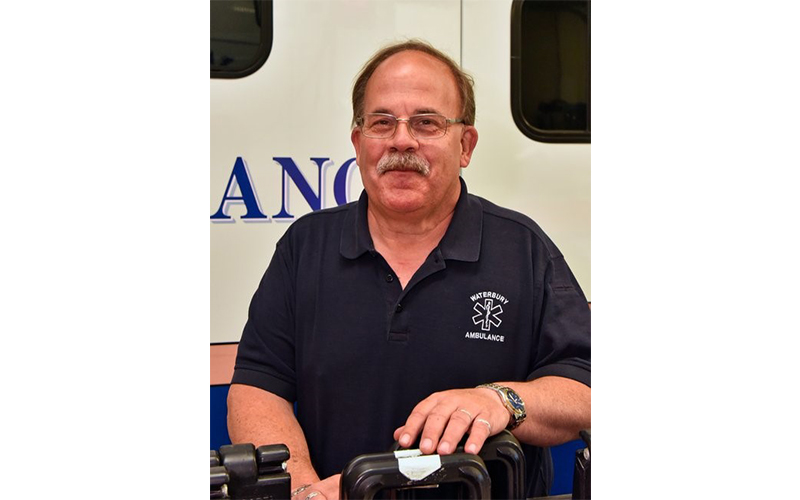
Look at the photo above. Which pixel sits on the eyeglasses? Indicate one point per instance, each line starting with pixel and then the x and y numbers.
pixel 424 126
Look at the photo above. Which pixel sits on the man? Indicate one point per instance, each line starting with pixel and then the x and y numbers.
pixel 379 318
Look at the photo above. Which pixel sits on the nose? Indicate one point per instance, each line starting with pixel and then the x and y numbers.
pixel 402 140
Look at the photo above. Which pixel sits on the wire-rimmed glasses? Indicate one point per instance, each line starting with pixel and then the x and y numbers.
pixel 422 126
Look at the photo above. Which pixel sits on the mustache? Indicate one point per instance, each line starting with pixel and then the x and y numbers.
pixel 405 162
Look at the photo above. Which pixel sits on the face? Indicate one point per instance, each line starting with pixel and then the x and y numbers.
pixel 406 84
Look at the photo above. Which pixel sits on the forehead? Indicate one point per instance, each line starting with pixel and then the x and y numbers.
pixel 412 81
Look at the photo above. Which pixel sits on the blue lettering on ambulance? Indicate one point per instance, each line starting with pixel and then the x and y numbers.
pixel 289 173
pixel 248 195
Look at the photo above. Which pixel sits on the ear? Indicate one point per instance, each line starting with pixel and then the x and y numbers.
pixel 355 138
pixel 469 138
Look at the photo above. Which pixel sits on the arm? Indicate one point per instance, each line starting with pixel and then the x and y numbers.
pixel 260 417
pixel 558 408
pixel 266 358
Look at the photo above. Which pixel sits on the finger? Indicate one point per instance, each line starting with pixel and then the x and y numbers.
pixel 435 424
pixel 301 492
pixel 481 429
pixel 309 494
pixel 409 432
pixel 460 422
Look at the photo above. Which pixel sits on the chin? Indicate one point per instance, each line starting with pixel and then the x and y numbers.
pixel 403 198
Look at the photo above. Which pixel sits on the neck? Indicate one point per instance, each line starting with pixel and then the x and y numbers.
pixel 404 233
pixel 406 240
pixel 423 227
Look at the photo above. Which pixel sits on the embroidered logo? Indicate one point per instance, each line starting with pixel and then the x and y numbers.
pixel 488 314
pixel 488 308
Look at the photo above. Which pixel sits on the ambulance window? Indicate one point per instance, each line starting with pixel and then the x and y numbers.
pixel 550 69
pixel 241 36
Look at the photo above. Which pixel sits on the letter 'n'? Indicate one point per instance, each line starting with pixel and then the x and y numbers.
pixel 289 171
pixel 241 175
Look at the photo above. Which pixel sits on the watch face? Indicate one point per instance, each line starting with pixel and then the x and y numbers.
pixel 515 400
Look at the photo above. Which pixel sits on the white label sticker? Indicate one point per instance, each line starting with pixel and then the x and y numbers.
pixel 415 466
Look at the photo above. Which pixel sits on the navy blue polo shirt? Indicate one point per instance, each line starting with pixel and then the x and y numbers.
pixel 331 329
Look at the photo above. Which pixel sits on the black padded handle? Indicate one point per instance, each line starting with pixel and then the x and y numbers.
pixel 366 475
pixel 505 461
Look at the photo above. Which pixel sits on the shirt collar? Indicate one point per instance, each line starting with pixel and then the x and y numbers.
pixel 461 241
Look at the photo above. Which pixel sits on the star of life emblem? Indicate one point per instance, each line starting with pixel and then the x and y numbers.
pixel 487 314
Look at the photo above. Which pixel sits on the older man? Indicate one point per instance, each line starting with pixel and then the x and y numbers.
pixel 385 319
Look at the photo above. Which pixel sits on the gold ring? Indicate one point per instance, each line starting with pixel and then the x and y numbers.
pixel 468 413
pixel 312 495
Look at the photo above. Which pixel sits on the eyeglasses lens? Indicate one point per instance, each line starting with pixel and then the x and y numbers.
pixel 427 126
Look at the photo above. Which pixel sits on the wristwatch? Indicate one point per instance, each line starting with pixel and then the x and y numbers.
pixel 514 404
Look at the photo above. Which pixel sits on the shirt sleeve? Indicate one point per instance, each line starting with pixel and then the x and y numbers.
pixel 266 355
pixel 563 338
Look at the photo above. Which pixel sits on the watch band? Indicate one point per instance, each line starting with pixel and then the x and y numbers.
pixel 511 400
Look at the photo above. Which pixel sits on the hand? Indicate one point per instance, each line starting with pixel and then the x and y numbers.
pixel 451 414
pixel 327 489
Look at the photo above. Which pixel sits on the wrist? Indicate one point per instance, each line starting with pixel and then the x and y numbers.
pixel 512 402
pixel 302 482
pixel 497 397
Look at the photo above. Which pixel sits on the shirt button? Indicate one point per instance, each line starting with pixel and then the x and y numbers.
pixel 389 278
pixel 399 307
